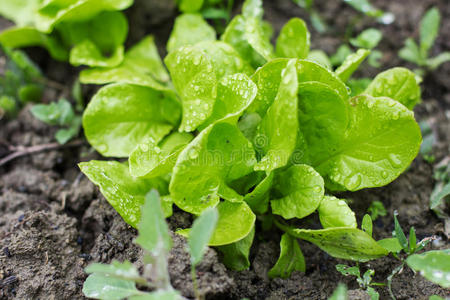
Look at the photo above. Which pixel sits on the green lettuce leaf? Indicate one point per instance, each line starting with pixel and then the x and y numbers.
pixel 279 126
pixel 21 12
pixel 345 243
pixel 151 159
pixel 194 78
pixel 234 95
pixel 217 156
pixel 258 198
pixel 189 29
pixel 351 63
pixel 373 156
pixel 293 41
pixel 334 212
pixel 18 37
pixel 291 258
pixel 235 255
pixel 298 191
pixel 397 83
pixel 121 116
pixel 236 221
pixel 124 192
pixel 54 12
pixel 141 66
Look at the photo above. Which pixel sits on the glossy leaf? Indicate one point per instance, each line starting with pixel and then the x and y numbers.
pixel 200 234
pixel 236 221
pixel 121 116
pixel 397 83
pixel 104 287
pixel 21 12
pixel 252 9
pixel 54 12
pixel 376 157
pixel 351 63
pixel 291 258
pixel 298 192
pixel 247 36
pixel 18 37
pixel 105 33
pixel 258 198
pixel 334 212
pixel 293 41
pixel 235 255
pixel 189 6
pixel 217 156
pixel 345 243
pixel 323 119
pixel 189 29
pixel 151 159
pixel 154 233
pixel 141 66
pixel 195 81
pixel 234 95
pixel 279 126
pixel 124 192
pixel 433 265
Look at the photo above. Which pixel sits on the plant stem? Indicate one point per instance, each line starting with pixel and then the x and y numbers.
pixel 23 151
pixel 194 282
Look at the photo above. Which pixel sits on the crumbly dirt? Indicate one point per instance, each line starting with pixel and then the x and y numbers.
pixel 54 222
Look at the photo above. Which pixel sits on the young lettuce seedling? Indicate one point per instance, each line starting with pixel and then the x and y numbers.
pixel 365 282
pixel 250 129
pixel 118 280
pixel 62 114
pixel 433 265
pixel 419 54
pixel 85 32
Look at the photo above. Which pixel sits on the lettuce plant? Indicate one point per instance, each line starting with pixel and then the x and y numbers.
pixel 251 129
pixel 85 32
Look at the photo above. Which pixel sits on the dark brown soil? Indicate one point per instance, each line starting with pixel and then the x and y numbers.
pixel 54 222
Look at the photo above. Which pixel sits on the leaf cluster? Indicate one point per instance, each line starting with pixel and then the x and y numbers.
pixel 85 32
pixel 251 129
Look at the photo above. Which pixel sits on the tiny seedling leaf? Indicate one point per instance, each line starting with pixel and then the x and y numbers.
pixel 291 258
pixel 200 234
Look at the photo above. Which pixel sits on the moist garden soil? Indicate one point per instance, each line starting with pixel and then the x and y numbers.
pixel 54 222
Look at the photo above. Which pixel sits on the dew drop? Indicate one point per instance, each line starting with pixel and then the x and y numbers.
pixel 353 182
pixel 395 160
pixel 144 147
pixel 193 154
pixel 317 189
pixel 384 174
pixel 102 148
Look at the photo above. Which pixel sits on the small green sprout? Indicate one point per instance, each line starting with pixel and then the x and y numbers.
pixel 376 209
pixel 340 293
pixel 365 282
pixel 61 114
pixel 118 280
pixel 419 54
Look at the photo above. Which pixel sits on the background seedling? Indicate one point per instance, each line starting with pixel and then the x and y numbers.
pixel 118 280
pixel 419 54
